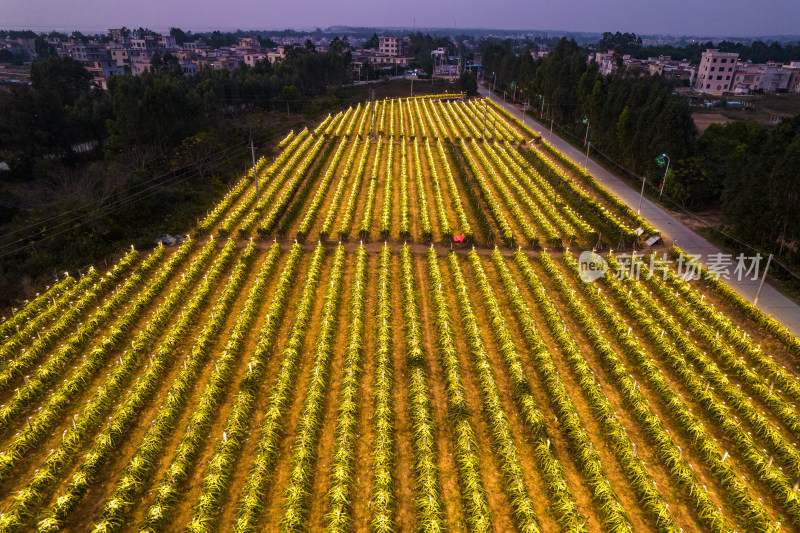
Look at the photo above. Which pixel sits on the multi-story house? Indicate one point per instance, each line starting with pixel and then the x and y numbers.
pixel 86 52
pixel 102 70
pixel 145 47
pixel 121 56
pixel 716 70
pixel 794 77
pixel 393 46
pixel 251 59
pixel 767 77
pixel 167 43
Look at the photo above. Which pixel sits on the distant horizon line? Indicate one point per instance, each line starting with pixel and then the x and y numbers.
pixel 96 30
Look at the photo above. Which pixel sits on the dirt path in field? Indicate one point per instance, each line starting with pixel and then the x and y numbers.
pixel 437 383
pixel 414 206
pixel 447 197
pixel 380 190
pixel 321 482
pixel 365 435
pixel 273 504
pixel 394 223
pixel 430 191
pixel 33 462
pixel 405 515
pixel 491 473
pixel 184 509
pixel 537 488
pixel 362 193
pixel 705 475
pixel 112 470
pixel 614 470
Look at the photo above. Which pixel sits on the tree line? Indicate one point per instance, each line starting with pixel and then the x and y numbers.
pixel 749 172
pixel 631 118
pixel 74 148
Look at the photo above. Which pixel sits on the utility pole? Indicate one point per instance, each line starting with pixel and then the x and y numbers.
pixel 586 137
pixel 485 106
pixel 755 302
pixel 586 163
pixel 664 181
pixel 372 136
pixel 255 176
pixel 641 195
pixel 412 87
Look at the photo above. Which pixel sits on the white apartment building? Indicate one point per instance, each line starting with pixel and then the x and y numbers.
pixel 86 53
pixel 392 46
pixel 167 42
pixel 121 56
pixel 716 70
pixel 251 59
pixel 145 47
pixel 104 69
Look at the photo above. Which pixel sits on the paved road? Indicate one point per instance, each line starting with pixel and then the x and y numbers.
pixel 672 230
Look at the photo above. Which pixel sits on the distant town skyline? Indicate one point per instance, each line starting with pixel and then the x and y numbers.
pixel 740 18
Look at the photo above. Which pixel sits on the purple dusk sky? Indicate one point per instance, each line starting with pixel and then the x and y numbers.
pixel 676 17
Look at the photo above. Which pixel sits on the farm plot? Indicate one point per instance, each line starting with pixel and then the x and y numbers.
pixel 397 333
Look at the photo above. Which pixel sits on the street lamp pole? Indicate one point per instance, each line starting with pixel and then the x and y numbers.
pixel 494 81
pixel 761 285
pixel 586 163
pixel 485 107
pixel 641 195
pixel 586 137
pixel 255 175
pixel 664 181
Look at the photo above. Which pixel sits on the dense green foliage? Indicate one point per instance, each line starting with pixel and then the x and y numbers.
pixel 146 157
pixel 420 47
pixel 632 119
pixel 754 172
pixel 748 170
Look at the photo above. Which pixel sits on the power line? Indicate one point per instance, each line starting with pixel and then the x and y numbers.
pixel 100 212
pixel 84 206
pixel 157 178
pixel 215 160
pixel 680 207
